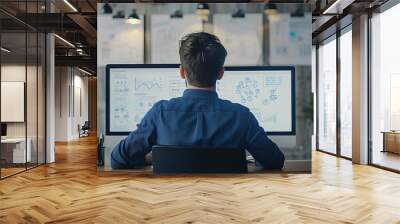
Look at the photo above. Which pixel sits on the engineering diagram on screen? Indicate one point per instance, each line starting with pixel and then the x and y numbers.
pixel 268 93
pixel 248 90
pixel 121 86
pixel 121 113
pixel 273 96
pixel 142 84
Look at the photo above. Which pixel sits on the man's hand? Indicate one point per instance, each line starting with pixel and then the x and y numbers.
pixel 148 159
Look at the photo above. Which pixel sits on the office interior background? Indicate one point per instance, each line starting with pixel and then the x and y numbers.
pixel 51 93
pixel 75 85
pixel 251 36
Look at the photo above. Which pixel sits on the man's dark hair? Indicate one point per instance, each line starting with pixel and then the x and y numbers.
pixel 202 56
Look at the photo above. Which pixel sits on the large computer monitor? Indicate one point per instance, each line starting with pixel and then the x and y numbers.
pixel 268 91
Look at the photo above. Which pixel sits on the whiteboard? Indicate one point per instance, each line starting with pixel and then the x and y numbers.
pixel 242 38
pixel 290 39
pixel 267 91
pixel 166 33
pixel 118 41
pixel 12 101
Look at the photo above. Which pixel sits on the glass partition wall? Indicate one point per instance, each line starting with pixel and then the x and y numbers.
pixel 327 96
pixel 345 63
pixel 334 94
pixel 22 66
pixel 385 90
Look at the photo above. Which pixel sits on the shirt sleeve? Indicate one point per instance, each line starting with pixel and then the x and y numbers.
pixel 263 149
pixel 131 151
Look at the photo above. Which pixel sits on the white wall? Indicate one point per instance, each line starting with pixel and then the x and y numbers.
pixel 15 73
pixel 33 126
pixel 70 81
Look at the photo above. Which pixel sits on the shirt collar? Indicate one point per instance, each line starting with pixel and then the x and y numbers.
pixel 200 93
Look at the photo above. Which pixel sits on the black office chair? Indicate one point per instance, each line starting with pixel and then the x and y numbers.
pixel 84 129
pixel 184 159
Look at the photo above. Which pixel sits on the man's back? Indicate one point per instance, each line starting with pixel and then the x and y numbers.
pixel 198 118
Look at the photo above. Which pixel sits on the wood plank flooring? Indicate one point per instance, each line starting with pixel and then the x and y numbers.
pixel 72 191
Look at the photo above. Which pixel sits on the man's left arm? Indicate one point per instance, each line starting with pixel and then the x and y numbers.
pixel 131 151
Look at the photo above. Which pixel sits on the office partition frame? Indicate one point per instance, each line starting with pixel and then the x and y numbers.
pixel 369 142
pixel 381 9
pixel 43 55
pixel 339 32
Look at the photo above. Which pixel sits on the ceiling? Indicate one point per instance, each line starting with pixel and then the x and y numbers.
pixel 77 22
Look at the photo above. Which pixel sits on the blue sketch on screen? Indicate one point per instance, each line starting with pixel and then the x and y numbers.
pixel 121 113
pixel 248 90
pixel 147 84
pixel 272 97
pixel 121 87
pixel 273 81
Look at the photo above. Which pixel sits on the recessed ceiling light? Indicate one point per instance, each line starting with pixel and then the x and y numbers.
pixel 65 41
pixel 70 5
pixel 84 71
pixel 5 50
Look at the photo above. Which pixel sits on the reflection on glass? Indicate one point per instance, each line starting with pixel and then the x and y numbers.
pixel 31 101
pixel 14 153
pixel 41 79
pixel 346 94
pixel 327 97
pixel 385 114
pixel 23 92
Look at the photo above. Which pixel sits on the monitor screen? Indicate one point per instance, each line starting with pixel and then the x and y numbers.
pixel 267 91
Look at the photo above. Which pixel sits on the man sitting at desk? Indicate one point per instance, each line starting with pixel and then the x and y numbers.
pixel 198 118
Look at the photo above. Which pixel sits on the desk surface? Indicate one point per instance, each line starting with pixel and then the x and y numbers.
pixel 13 140
pixel 390 132
pixel 291 166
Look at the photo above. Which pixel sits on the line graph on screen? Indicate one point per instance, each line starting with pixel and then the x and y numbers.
pixel 148 84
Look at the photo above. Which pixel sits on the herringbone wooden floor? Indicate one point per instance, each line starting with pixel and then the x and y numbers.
pixel 72 191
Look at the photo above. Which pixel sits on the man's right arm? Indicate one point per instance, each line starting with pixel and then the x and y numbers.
pixel 131 151
pixel 264 151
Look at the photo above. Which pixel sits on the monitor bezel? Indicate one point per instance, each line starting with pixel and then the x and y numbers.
pixel 227 68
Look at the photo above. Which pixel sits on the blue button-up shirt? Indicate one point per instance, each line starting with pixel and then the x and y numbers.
pixel 198 118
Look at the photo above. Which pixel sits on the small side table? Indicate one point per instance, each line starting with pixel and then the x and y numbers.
pixel 391 141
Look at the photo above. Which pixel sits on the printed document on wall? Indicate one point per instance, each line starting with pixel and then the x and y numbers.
pixel 121 42
pixel 242 37
pixel 290 39
pixel 166 32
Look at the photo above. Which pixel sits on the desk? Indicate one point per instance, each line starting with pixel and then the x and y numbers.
pixel 290 166
pixel 13 150
pixel 391 141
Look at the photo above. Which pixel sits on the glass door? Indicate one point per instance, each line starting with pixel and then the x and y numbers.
pixel 326 86
pixel 346 92
pixel 385 89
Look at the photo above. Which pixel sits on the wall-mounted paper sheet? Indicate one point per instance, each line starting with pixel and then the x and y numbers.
pixel 12 101
pixel 290 40
pixel 166 33
pixel 242 38
pixel 119 42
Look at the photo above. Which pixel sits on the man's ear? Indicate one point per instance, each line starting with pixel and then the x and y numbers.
pixel 182 72
pixel 221 74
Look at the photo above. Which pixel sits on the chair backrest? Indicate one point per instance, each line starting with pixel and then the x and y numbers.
pixel 86 125
pixel 184 159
